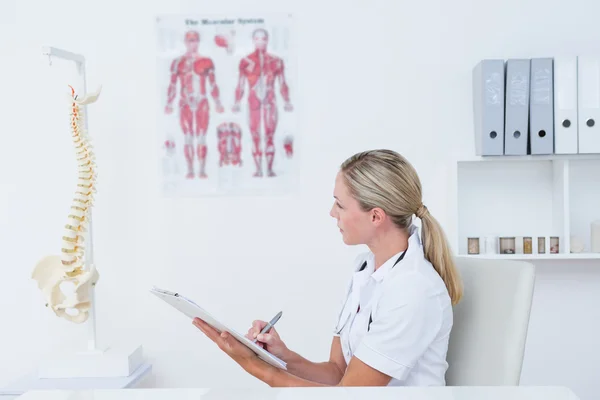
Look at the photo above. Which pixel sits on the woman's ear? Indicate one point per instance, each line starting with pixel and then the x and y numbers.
pixel 377 215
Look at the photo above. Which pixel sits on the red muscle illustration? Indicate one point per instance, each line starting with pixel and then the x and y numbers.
pixel 288 146
pixel 169 145
pixel 230 144
pixel 195 73
pixel 226 40
pixel 261 71
pixel 221 41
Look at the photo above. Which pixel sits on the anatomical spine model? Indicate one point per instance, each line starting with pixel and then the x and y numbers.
pixel 54 272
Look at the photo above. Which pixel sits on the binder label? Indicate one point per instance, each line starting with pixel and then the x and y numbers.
pixel 519 89
pixel 494 86
pixel 540 86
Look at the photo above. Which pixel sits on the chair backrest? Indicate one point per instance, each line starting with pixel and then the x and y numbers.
pixel 488 338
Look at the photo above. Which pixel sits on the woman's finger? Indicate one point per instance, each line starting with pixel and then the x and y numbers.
pixel 258 325
pixel 266 338
pixel 206 329
pixel 252 334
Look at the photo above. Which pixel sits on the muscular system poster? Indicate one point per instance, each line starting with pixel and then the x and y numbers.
pixel 227 115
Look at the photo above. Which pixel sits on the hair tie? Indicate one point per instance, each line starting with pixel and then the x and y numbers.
pixel 421 211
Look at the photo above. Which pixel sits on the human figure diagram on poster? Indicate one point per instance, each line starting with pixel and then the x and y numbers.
pixel 232 98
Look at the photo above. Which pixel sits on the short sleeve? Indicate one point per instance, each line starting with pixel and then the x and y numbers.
pixel 401 332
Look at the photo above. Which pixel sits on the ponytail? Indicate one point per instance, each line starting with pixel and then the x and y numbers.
pixel 437 252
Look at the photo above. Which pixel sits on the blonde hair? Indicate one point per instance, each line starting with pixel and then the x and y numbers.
pixel 386 180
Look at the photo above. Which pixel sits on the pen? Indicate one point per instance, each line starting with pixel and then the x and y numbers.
pixel 269 325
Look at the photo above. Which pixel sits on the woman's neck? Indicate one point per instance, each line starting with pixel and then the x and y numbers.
pixel 388 243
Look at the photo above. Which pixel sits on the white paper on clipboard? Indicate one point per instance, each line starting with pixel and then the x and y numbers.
pixel 193 310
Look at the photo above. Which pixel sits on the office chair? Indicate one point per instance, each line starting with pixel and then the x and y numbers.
pixel 487 342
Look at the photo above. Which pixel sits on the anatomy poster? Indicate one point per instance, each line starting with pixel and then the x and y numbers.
pixel 227 104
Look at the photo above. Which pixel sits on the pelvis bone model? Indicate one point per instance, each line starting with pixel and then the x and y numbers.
pixel 63 279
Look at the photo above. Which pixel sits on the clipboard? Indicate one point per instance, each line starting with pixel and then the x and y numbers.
pixel 193 310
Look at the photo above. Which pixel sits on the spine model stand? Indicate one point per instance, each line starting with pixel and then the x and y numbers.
pixel 64 280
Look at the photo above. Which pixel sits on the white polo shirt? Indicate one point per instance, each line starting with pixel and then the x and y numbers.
pixel 405 318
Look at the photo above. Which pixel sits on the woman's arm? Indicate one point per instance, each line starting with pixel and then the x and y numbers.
pixel 328 372
pixel 357 374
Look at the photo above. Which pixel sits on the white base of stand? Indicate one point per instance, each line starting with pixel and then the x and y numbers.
pixel 32 382
pixel 115 361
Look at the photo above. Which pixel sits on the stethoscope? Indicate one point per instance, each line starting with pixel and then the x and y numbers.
pixel 349 291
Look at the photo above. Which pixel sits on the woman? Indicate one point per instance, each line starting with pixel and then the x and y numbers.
pixel 396 320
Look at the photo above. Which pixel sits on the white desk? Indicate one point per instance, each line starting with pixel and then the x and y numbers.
pixel 385 393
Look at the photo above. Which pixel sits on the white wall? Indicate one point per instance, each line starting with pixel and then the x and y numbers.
pixel 384 75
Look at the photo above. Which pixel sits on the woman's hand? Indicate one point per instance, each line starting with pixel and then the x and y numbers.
pixel 269 341
pixel 229 344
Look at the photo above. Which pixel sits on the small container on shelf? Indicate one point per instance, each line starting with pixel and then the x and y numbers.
pixel 527 245
pixel 595 236
pixel 577 244
pixel 473 245
pixel 507 245
pixel 541 245
pixel 491 245
pixel 554 245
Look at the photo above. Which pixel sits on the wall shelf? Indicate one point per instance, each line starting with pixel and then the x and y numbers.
pixel 560 256
pixel 516 196
pixel 548 157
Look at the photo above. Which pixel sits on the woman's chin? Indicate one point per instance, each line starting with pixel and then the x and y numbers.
pixel 346 239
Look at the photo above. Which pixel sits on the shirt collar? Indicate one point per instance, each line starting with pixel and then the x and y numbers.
pixel 414 243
